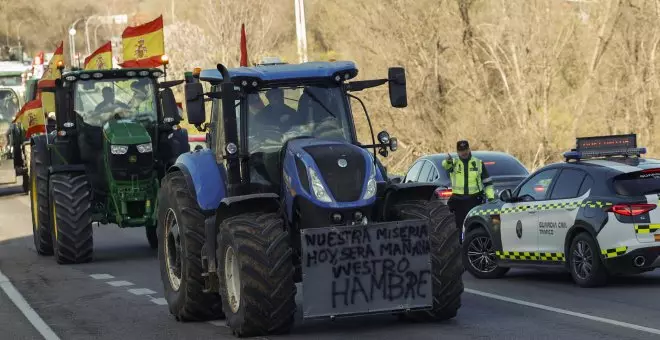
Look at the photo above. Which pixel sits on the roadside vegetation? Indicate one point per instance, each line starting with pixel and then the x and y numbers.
pixel 521 76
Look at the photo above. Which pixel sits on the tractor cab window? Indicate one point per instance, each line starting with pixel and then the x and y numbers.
pixel 98 101
pixel 279 114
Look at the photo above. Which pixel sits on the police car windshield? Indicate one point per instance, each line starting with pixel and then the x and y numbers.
pixel 638 183
pixel 98 101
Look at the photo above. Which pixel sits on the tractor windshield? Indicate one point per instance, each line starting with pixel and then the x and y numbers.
pixel 278 114
pixel 98 101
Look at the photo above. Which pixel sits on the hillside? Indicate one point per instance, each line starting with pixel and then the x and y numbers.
pixel 522 76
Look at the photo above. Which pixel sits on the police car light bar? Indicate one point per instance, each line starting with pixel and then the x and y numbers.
pixel 604 146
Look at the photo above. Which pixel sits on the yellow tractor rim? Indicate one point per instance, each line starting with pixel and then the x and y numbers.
pixel 33 196
pixel 54 220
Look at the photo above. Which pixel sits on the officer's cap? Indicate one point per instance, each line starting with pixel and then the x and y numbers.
pixel 462 145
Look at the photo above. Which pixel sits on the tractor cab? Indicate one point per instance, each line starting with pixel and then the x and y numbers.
pixel 116 123
pixel 278 105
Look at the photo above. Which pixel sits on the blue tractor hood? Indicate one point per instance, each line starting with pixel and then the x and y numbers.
pixel 343 170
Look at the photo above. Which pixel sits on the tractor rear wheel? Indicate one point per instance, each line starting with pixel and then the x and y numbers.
pixel 446 264
pixel 38 182
pixel 181 236
pixel 255 270
pixel 152 236
pixel 71 217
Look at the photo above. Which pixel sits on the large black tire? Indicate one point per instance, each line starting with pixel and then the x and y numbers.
pixel 187 302
pixel 152 236
pixel 584 246
pixel 39 201
pixel 446 264
pixel 26 184
pixel 71 218
pixel 267 302
pixel 485 267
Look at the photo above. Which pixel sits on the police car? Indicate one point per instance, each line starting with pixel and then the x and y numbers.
pixel 596 215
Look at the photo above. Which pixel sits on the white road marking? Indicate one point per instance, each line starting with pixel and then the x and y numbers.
pixel 102 276
pixel 141 291
pixel 218 323
pixel 159 301
pixel 119 283
pixel 564 311
pixel 25 308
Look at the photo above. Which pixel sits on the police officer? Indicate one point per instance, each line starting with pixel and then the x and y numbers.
pixel 470 182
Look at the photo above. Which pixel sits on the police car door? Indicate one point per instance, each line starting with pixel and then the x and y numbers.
pixel 519 219
pixel 559 214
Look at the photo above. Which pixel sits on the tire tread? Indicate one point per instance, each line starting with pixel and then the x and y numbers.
pixel 268 303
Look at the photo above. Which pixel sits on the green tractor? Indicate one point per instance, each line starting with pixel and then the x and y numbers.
pixel 116 132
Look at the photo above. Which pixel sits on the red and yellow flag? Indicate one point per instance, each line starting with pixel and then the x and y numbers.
pixel 32 118
pixel 101 59
pixel 144 44
pixel 51 72
pixel 48 79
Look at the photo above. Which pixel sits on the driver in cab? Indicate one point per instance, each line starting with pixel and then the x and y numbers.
pixel 109 101
pixel 276 113
pixel 141 101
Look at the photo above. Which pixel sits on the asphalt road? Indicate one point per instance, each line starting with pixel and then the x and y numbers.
pixel 119 296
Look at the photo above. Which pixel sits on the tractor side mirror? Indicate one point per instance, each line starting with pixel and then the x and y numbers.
pixel 170 109
pixel 397 83
pixel 195 103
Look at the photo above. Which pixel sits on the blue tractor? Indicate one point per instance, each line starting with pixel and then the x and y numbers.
pixel 285 196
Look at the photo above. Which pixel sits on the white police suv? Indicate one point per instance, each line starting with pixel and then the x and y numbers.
pixel 596 214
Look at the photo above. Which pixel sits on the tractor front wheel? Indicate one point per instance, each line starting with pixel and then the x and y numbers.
pixel 446 264
pixel 38 182
pixel 255 270
pixel 71 218
pixel 180 238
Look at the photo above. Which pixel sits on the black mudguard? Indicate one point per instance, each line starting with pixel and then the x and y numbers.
pixel 404 191
pixel 172 145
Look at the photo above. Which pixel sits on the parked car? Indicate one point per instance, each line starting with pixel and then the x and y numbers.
pixel 505 170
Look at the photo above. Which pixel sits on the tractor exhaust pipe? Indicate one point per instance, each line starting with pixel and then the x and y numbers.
pixel 639 261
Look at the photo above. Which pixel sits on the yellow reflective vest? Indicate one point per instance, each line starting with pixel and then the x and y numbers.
pixel 469 177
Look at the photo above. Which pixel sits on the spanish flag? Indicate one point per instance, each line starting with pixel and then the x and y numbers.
pixel 48 79
pixel 144 44
pixel 101 59
pixel 51 72
pixel 32 118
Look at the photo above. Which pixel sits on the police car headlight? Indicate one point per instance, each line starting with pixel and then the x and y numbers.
pixel 371 184
pixel 317 187
pixel 144 148
pixel 118 149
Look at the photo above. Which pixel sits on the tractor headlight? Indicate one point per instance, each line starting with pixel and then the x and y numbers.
pixel 144 148
pixel 371 184
pixel 118 149
pixel 318 188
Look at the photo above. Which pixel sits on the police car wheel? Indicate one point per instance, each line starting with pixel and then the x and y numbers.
pixel 586 266
pixel 479 255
